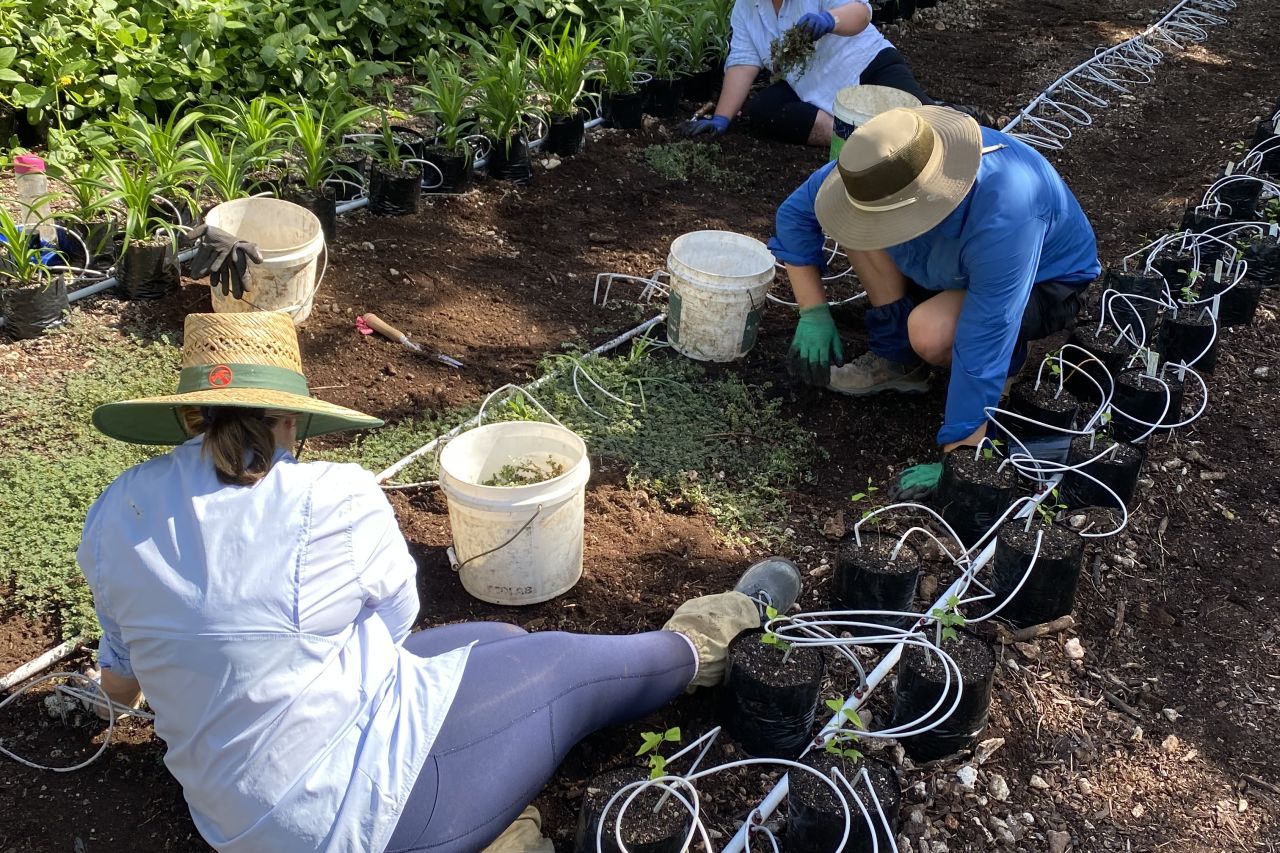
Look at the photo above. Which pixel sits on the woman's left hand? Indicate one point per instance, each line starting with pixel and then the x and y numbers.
pixel 817 24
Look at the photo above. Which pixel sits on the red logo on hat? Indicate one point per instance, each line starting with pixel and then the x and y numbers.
pixel 220 376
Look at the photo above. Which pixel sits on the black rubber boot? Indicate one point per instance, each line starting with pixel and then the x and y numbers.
pixel 772 582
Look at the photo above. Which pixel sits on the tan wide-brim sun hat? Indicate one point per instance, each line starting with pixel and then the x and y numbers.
pixel 245 360
pixel 898 176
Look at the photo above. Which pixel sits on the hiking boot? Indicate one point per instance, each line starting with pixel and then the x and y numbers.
pixel 872 374
pixel 772 582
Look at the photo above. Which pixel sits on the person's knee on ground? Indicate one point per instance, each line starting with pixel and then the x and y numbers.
pixel 823 128
pixel 931 327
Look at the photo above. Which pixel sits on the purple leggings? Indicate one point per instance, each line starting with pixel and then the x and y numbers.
pixel 524 701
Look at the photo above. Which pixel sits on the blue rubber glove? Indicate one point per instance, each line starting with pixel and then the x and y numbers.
pixel 816 24
pixel 918 483
pixel 713 126
pixel 815 347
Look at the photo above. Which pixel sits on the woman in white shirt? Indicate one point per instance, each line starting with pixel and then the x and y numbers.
pixel 797 109
pixel 265 605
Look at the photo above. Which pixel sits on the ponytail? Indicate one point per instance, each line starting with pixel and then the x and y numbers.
pixel 231 435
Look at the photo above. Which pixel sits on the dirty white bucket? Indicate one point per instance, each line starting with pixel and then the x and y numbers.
pixel 516 544
pixel 719 285
pixel 291 242
pixel 857 105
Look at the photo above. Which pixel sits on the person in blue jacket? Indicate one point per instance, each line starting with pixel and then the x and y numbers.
pixel 969 245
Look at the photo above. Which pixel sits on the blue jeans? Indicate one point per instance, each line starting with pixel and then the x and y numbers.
pixel 524 701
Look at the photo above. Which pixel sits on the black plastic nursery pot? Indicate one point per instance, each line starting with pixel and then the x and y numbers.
pixel 349 175
pixel 1131 313
pixel 974 491
pixel 1186 338
pixel 771 696
pixel 148 270
pixel 566 135
pixel 454 166
pixel 1048 404
pixel 1118 470
pixel 96 236
pixel 1108 347
pixel 30 311
pixel 663 97
pixel 643 830
pixel 393 192
pixel 1263 259
pixel 1050 589
pixel 1200 221
pixel 815 817
pixel 703 85
pixel 922 680
pixel 1176 269
pixel 1263 131
pixel 1140 400
pixel 865 578
pixel 624 110
pixel 1242 196
pixel 510 161
pixel 324 204
pixel 1237 305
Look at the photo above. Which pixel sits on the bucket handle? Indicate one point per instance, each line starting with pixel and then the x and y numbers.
pixel 315 288
pixel 527 393
pixel 458 566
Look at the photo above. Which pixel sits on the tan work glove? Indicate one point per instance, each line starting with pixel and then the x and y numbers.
pixel 711 623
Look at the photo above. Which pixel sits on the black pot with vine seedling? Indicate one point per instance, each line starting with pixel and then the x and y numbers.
pixel 772 694
pixel 1202 219
pixel 1049 591
pixel 1047 401
pixel 1140 313
pixel 1110 346
pixel 816 817
pixel 1118 469
pixel 1179 269
pixel 1262 256
pixel 1190 337
pixel 877 574
pixel 975 488
pixel 924 682
pixel 1241 194
pixel 1140 399
pixel 647 827
pixel 394 187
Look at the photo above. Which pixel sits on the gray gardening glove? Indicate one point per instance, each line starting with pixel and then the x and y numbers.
pixel 221 256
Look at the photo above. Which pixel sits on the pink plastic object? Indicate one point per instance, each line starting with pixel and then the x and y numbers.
pixel 361 326
pixel 26 164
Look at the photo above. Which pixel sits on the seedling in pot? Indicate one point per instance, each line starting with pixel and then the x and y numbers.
pixel 620 62
pixel 1047 510
pixel 564 66
pixel 947 619
pixel 841 741
pixel 865 494
pixel 447 98
pixel 32 296
pixel 658 36
pixel 317 130
pixel 227 163
pixel 649 746
pixel 769 638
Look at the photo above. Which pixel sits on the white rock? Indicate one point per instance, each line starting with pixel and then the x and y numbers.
pixel 1037 782
pixel 366 246
pixel 1084 786
pixel 395 273
pixel 1027 818
pixel 1170 714
pixel 1059 842
pixel 1171 744
pixel 552 163
pixel 1074 649
pixel 1260 372
pixel 998 787
pixel 987 748
pixel 968 776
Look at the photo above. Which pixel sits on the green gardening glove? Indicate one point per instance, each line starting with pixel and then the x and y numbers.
pixel 918 483
pixel 815 347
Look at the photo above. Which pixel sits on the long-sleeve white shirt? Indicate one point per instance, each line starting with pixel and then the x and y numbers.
pixel 838 61
pixel 264 625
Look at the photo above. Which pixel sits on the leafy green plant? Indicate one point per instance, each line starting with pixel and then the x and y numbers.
pixel 700 27
pixel 650 742
pixel 138 188
pixel 866 493
pixel 168 147
pixel 508 101
pixel 621 63
pixel 769 638
pixel 226 161
pixel 948 619
pixel 260 122
pixel 564 66
pixel 390 150
pixel 85 186
pixel 22 265
pixel 317 129
pixel 659 38
pixel 1049 508
pixel 688 160
pixel 448 97
pixel 842 741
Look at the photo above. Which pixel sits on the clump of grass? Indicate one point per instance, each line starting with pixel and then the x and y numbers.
pixel 791 51
pixel 688 160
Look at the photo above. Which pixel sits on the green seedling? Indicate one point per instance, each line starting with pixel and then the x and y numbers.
pixel 1048 510
pixel 769 638
pixel 865 493
pixel 948 619
pixel 842 740
pixel 649 746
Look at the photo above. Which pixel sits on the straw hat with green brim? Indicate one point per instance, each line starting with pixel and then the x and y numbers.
pixel 245 361
pixel 898 176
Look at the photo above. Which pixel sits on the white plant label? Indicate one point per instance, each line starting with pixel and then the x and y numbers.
pixel 1231 167
pixel 1213 306
pixel 1153 361
pixel 1217 271
pixel 1274 230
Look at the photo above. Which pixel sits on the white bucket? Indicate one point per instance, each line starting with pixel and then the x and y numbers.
pixel 290 240
pixel 516 544
pixel 719 284
pixel 857 105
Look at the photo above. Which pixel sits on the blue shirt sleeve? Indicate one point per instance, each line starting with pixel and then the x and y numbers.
pixel 798 239
pixel 1001 256
pixel 742 51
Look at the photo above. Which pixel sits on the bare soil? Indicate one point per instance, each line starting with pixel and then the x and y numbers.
pixel 1162 737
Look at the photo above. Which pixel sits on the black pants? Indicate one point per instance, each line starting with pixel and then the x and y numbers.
pixel 776 112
